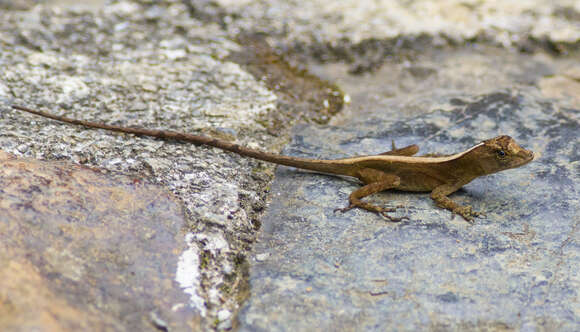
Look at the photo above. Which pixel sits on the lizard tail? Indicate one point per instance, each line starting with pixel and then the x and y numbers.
pixel 340 167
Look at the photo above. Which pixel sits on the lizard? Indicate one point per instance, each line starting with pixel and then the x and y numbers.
pixel 398 169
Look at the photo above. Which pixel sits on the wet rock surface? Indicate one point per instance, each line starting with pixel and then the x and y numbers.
pixel 81 250
pixel 513 269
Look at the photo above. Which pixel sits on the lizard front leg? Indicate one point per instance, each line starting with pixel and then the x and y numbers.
pixel 386 182
pixel 439 195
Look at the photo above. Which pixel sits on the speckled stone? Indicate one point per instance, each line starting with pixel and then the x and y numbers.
pixel 369 21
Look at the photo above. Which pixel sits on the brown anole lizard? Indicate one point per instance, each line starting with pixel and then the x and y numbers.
pixel 397 169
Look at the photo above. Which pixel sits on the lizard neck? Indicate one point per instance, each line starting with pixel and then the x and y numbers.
pixel 467 165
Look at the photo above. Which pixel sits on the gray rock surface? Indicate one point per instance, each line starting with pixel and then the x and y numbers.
pixel 514 269
pixel 370 31
pixel 127 65
pixel 149 64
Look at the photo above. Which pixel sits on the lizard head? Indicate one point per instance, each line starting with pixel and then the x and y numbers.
pixel 501 153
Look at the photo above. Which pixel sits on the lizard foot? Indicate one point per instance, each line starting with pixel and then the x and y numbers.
pixel 346 209
pixel 392 219
pixel 467 213
pixel 371 208
pixel 479 214
pixel 383 212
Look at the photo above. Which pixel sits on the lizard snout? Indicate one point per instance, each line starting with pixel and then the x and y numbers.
pixel 526 155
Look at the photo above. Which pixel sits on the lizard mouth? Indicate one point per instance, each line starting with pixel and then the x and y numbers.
pixel 526 156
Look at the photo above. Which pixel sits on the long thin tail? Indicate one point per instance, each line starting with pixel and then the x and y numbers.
pixel 324 166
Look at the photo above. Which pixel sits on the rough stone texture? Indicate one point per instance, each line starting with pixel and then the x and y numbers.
pixel 515 269
pixel 351 28
pixel 147 65
pixel 82 250
pixel 564 86
pixel 151 64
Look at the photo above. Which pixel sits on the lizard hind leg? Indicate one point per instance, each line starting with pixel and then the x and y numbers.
pixel 387 182
pixel 406 151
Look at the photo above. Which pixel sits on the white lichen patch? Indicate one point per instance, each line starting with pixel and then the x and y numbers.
pixel 69 89
pixel 214 243
pixel 48 59
pixel 188 274
pixel 4 90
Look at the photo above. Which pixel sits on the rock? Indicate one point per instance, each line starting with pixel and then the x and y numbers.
pixel 224 317
pixel 315 24
pixel 355 271
pixel 82 250
pixel 183 65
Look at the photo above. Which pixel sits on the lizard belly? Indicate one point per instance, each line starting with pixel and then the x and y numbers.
pixel 418 184
pixel 418 181
pixel 413 176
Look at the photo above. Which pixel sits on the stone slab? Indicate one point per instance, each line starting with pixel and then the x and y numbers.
pixel 516 269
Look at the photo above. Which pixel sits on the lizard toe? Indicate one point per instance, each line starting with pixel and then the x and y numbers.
pixel 386 216
pixel 479 214
pixel 465 212
pixel 343 210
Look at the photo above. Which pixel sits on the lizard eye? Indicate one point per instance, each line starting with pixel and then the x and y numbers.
pixel 500 153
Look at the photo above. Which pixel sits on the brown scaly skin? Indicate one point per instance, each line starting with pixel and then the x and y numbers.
pixel 397 169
